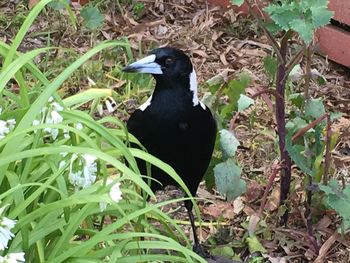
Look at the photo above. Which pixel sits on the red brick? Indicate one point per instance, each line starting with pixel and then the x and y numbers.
pixel 334 43
pixel 341 10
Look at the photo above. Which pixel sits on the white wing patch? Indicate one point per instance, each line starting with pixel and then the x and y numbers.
pixel 193 88
pixel 146 104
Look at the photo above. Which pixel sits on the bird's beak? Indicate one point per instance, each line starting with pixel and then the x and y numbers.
pixel 145 65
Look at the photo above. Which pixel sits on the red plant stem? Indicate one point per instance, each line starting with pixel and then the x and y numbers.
pixel 308 72
pixel 275 170
pixel 268 91
pixel 308 214
pixel 233 121
pixel 311 125
pixel 286 163
pixel 327 158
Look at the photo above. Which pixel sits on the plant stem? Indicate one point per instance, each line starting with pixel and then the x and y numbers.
pixel 308 214
pixel 327 158
pixel 286 163
pixel 275 169
pixel 295 60
pixel 308 72
pixel 311 125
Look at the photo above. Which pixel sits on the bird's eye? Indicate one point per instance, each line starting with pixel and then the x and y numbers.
pixel 169 61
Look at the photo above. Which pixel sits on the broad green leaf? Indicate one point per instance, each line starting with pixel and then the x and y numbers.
pixel 304 28
pixel 315 108
pixel 223 251
pixel 209 174
pixel 237 2
pixel 254 245
pixel 283 14
pixel 296 154
pixel 57 5
pixel 297 99
pixel 237 87
pixel 228 143
pixel 320 16
pixel 216 80
pixel 338 199
pixel 296 124
pixel 208 99
pixel 302 16
pixel 244 102
pixel 92 16
pixel 228 181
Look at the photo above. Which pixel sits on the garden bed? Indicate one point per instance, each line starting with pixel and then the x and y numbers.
pixel 333 41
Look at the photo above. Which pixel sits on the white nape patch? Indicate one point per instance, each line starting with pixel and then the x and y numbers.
pixel 146 104
pixel 193 88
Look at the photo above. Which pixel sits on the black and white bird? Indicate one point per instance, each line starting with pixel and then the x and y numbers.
pixel 173 124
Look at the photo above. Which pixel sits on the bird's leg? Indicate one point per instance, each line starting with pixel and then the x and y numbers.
pixel 197 246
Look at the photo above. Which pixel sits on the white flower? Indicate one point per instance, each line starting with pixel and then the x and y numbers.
pixel 103 206
pixel 115 193
pixel 13 258
pixel 56 106
pixel 91 82
pixel 11 123
pixel 109 106
pixel 50 115
pixel 53 118
pixel 79 126
pixel 66 134
pixel 56 117
pixel 82 170
pixel 3 129
pixel 6 127
pixel 89 159
pixel 100 109
pixel 36 122
pixel 6 225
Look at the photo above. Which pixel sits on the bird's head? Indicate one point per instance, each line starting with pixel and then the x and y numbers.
pixel 165 62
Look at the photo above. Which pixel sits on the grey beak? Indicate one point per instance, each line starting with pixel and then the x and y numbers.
pixel 145 65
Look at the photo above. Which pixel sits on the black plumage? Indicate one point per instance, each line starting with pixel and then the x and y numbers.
pixel 173 124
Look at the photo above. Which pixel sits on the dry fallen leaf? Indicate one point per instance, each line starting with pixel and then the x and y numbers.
pixel 223 209
pixel 253 222
pixel 274 199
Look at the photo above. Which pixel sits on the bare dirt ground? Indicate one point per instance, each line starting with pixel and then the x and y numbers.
pixel 226 43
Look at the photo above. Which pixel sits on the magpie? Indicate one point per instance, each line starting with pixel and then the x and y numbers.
pixel 173 124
